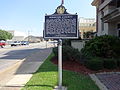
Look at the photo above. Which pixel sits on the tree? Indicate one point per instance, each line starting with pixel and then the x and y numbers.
pixel 4 35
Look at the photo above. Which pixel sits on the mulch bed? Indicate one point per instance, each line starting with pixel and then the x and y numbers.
pixel 78 67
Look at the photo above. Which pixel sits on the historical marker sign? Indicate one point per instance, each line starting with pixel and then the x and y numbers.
pixel 61 26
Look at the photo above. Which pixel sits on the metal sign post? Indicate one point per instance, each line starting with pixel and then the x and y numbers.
pixel 60 62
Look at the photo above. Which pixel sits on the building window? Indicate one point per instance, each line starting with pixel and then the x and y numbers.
pixel 118 3
pixel 93 25
pixel 102 1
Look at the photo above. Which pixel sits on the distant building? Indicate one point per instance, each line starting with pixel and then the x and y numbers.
pixel 12 32
pixel 17 35
pixel 86 25
pixel 108 17
pixel 20 36
pixel 33 39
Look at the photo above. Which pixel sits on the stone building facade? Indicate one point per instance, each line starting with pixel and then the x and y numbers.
pixel 108 17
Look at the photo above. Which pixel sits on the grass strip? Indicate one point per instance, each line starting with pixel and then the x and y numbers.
pixel 47 77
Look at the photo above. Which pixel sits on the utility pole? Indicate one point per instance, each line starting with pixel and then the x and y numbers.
pixel 28 35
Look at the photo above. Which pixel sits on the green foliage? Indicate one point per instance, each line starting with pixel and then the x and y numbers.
pixel 68 53
pixel 76 81
pixel 103 46
pixel 88 34
pixel 55 51
pixel 110 63
pixel 4 35
pixel 94 64
pixel 66 42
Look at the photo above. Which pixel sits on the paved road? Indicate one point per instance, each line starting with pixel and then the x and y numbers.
pixel 19 60
pixel 11 55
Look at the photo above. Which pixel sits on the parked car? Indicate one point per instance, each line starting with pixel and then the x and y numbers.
pixel 24 43
pixel 2 43
pixel 16 43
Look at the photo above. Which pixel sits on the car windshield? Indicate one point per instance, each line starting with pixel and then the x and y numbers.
pixel 2 41
pixel 15 41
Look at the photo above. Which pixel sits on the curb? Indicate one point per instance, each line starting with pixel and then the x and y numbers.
pixel 98 82
pixel 7 71
pixel 12 67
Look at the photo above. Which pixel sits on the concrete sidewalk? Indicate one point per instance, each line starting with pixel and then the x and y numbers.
pixel 107 80
pixel 25 69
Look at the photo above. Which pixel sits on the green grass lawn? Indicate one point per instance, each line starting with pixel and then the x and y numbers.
pixel 47 77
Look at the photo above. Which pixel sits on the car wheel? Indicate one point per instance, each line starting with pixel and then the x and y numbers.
pixel 2 46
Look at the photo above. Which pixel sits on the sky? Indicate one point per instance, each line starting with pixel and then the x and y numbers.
pixel 28 15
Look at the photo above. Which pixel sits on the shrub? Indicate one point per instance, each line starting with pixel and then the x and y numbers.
pixel 75 54
pixel 55 51
pixel 66 42
pixel 68 53
pixel 103 46
pixel 110 63
pixel 94 64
